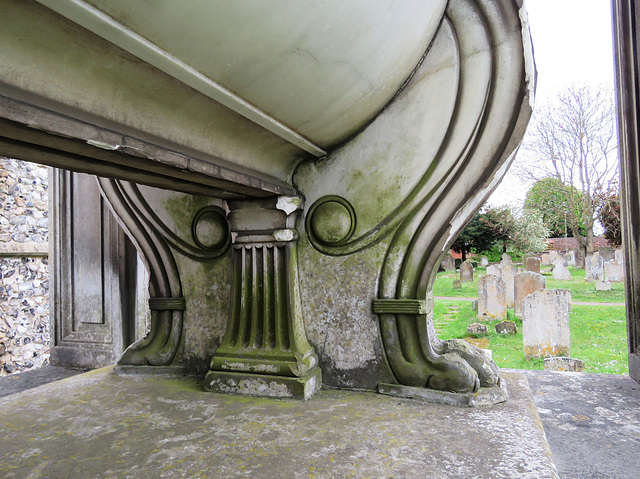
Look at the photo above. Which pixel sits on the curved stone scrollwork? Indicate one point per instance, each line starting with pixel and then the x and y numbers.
pixel 458 122
pixel 153 240
pixel 415 354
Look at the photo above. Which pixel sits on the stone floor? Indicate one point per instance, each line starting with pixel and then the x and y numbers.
pixel 101 425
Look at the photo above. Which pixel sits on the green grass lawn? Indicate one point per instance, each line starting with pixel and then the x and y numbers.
pixel 598 333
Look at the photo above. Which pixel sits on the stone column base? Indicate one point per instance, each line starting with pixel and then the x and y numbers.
pixel 302 387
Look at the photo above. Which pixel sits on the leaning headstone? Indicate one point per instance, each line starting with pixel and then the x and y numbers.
pixel 457 284
pixel 552 256
pixel 545 327
pixel 448 264
pixel 484 261
pixel 508 274
pixel 560 270
pixel 506 259
pixel 619 255
pixel 546 259
pixel 492 298
pixel 594 268
pixel 495 270
pixel 564 364
pixel 570 258
pixel 532 264
pixel 466 272
pixel 606 252
pixel 525 284
pixel 603 286
pixel 506 327
pixel 613 271
pixel 477 328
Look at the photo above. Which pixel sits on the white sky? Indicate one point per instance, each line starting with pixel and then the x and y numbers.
pixel 572 42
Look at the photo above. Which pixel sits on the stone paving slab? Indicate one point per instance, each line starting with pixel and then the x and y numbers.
pixel 32 378
pixel 100 425
pixel 592 422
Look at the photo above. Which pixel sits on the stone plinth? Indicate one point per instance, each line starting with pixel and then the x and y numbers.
pixel 613 271
pixel 594 268
pixel 545 324
pixel 525 284
pixel 564 364
pixel 492 298
pixel 466 272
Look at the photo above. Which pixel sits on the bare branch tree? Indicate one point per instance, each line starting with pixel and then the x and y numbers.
pixel 573 139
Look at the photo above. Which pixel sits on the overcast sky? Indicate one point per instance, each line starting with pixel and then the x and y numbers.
pixel 572 41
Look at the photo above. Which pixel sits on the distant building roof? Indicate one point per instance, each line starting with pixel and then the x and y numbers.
pixel 558 244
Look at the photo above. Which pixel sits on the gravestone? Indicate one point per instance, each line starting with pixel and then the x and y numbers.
pixel 570 258
pixel 594 268
pixel 477 328
pixel 508 274
pixel 572 365
pixel 457 262
pixel 484 261
pixel 606 253
pixel 545 324
pixel 613 271
pixel 546 259
pixel 619 255
pixel 525 284
pixel 560 270
pixel 466 272
pixel 495 270
pixel 457 284
pixel 553 255
pixel 603 286
pixel 506 259
pixel 506 327
pixel 474 305
pixel 532 264
pixel 448 264
pixel 492 298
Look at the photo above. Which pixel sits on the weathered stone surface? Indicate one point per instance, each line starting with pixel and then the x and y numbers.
pixel 506 259
pixel 466 272
pixel 484 261
pixel 564 364
pixel 594 268
pixel 570 258
pixel 606 253
pixel 448 264
pixel 474 305
pixel 508 275
pixel 525 284
pixel 545 259
pixel 494 269
pixel 492 298
pixel 560 270
pixel 614 271
pixel 477 328
pixel 457 284
pixel 553 255
pixel 533 264
pixel 506 327
pixel 619 255
pixel 603 286
pixel 545 325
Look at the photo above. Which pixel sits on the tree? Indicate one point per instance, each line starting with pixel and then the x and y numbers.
pixel 479 235
pixel 547 196
pixel 609 216
pixel 573 140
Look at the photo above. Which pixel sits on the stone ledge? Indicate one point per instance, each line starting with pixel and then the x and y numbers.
pixel 482 397
pixel 24 249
